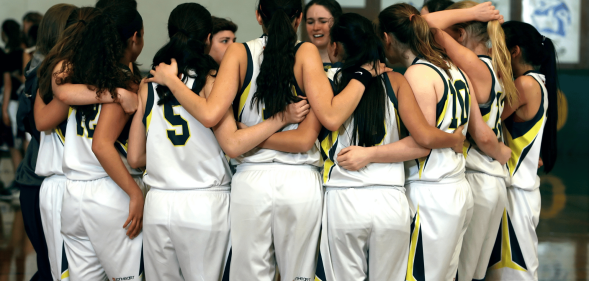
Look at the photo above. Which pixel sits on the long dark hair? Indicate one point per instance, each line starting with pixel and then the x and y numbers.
pixel 539 51
pixel 90 50
pixel 11 29
pixel 411 30
pixel 362 45
pixel 332 6
pixel 276 76
pixel 128 21
pixel 52 25
pixel 188 27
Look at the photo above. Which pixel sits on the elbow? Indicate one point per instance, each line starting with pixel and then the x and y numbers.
pixel 306 145
pixel 424 152
pixel 209 121
pixel 232 153
pixel 331 125
pixel 41 126
pixel 486 141
pixel 133 160
pixel 426 142
pixel 98 147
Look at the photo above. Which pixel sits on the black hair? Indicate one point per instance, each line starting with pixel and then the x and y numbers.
pixel 127 21
pixel 539 51
pixel 437 5
pixel 221 24
pixel 277 70
pixel 361 44
pixel 103 4
pixel 33 17
pixel 31 38
pixel 189 25
pixel 11 29
pixel 332 6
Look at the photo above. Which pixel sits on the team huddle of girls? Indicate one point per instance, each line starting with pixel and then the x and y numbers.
pixel 430 175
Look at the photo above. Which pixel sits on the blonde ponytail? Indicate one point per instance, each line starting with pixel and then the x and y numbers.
pixel 500 55
pixel 502 60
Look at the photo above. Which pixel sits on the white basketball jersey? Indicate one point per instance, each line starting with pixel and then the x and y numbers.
pixel 79 162
pixel 250 113
pixel 50 157
pixel 525 140
pixel 452 111
pixel 181 152
pixel 388 174
pixel 476 159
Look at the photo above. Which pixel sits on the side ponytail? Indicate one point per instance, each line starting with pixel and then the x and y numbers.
pixel 502 60
pixel 412 32
pixel 539 52
pixel 491 32
pixel 276 78
pixel 189 25
pixel 549 69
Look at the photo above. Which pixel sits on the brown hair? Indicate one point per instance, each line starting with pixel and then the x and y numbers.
pixel 493 32
pixel 221 24
pixel 405 23
pixel 52 25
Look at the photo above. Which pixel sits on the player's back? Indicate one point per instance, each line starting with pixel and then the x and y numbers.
pixel 452 111
pixel 181 152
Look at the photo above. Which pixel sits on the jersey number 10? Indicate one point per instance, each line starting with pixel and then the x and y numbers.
pixel 460 96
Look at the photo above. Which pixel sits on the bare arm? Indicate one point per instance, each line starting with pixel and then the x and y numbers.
pixel 465 59
pixel 298 140
pixel 332 111
pixel 443 19
pixel 483 135
pixel 422 132
pixel 136 154
pixel 211 110
pixel 49 116
pixel 6 98
pixel 110 125
pixel 80 94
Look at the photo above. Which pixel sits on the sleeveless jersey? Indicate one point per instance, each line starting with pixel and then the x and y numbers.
pixel 79 162
pixel 327 66
pixel 181 152
pixel 525 140
pixel 387 174
pixel 50 157
pixel 452 111
pixel 476 159
pixel 250 113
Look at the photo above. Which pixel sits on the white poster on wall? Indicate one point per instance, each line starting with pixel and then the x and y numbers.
pixel 560 20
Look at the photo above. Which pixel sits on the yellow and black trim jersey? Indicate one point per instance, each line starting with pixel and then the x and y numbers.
pixel 452 111
pixel 50 157
pixel 79 161
pixel 384 174
pixel 181 153
pixel 477 160
pixel 525 140
pixel 250 113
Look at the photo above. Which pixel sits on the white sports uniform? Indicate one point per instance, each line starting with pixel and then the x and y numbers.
pixel 49 165
pixel 95 209
pixel 486 178
pixel 186 216
pixel 516 254
pixel 275 198
pixel 437 190
pixel 366 215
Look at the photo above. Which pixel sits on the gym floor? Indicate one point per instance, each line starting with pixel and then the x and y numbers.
pixel 563 231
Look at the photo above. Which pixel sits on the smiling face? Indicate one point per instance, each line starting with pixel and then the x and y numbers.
pixel 319 21
pixel 220 43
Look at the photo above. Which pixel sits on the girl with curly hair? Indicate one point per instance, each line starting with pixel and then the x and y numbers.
pixel 99 181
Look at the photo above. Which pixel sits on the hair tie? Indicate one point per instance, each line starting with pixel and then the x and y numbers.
pixel 411 17
pixel 82 21
pixel 180 30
